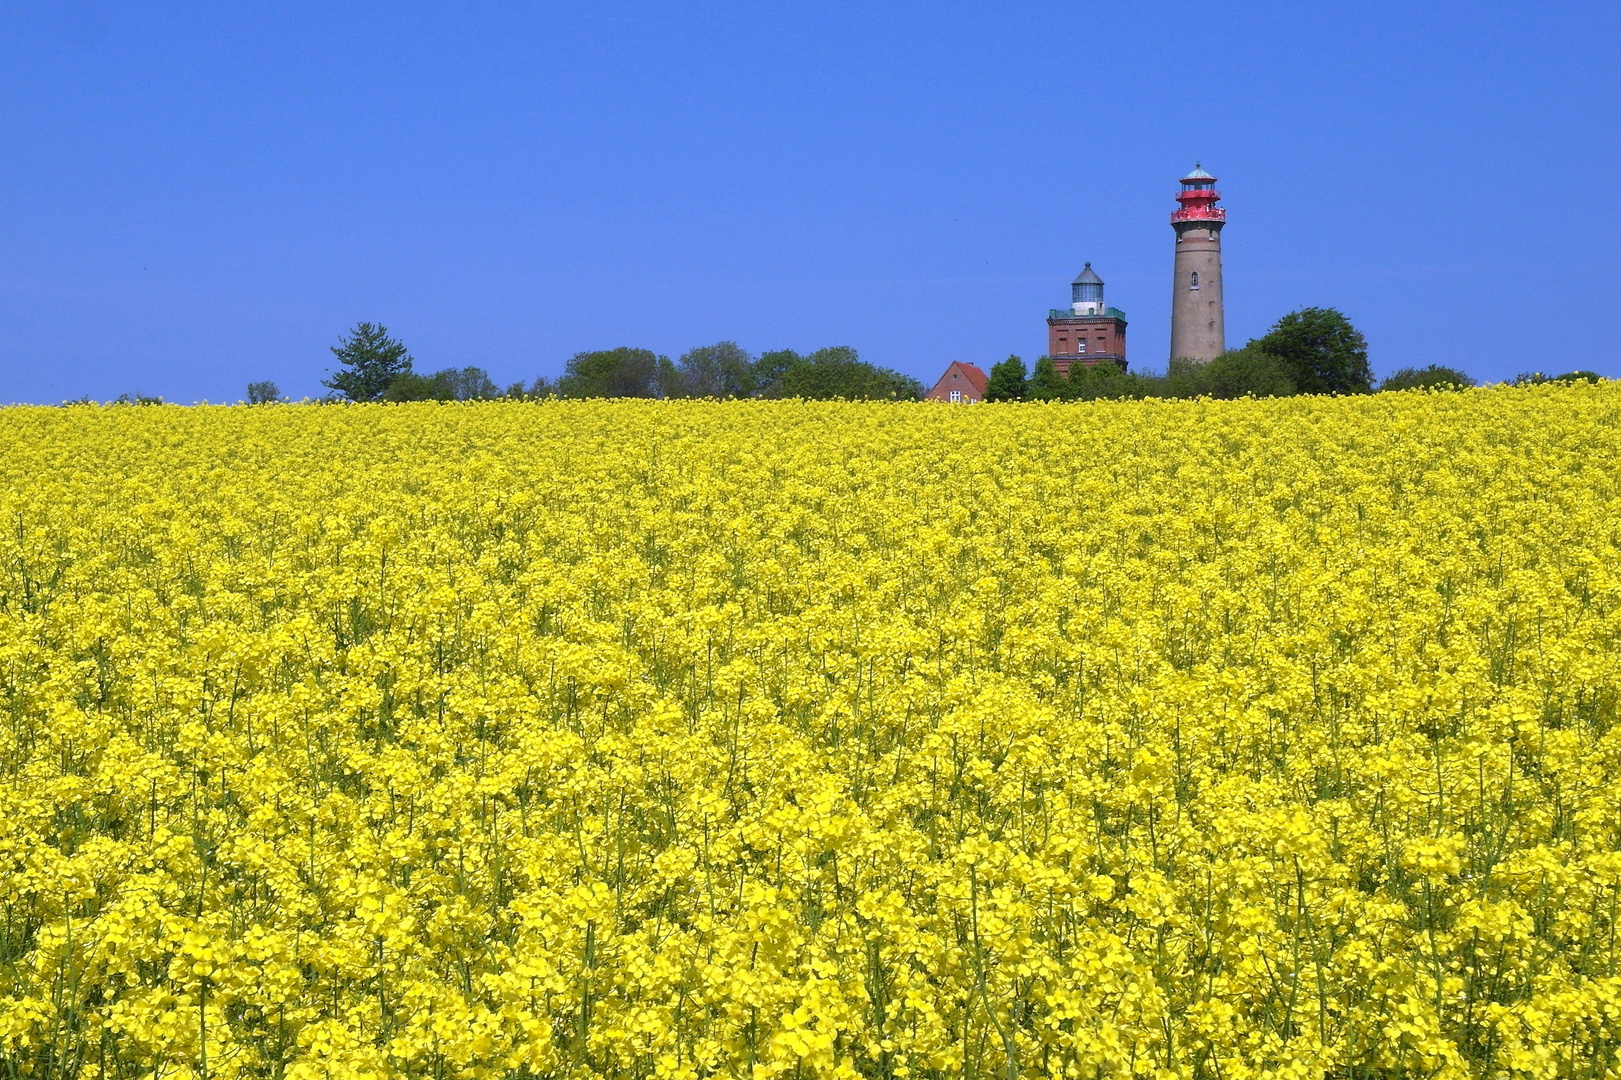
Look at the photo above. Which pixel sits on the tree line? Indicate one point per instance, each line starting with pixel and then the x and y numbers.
pixel 376 367
pixel 1310 351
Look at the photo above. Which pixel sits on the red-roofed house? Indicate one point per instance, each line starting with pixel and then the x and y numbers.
pixel 962 383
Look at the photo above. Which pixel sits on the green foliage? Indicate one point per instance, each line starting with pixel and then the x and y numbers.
pixel 722 370
pixel 1108 381
pixel 1007 381
pixel 409 386
pixel 522 391
pixel 1322 352
pixel 837 372
pixel 371 362
pixel 263 393
pixel 1045 382
pixel 1536 378
pixel 1432 377
pixel 726 370
pixel 1236 373
pixel 666 378
pixel 770 368
pixel 136 399
pixel 451 384
pixel 468 383
pixel 613 373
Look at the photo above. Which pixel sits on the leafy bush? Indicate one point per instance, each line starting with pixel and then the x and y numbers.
pixel 1536 378
pixel 613 373
pixel 263 393
pixel 1236 373
pixel 1433 377
pixel 451 384
pixel 838 372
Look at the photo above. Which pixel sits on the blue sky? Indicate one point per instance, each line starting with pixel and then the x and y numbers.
pixel 193 196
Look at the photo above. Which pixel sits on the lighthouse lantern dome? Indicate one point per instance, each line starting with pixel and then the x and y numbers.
pixel 1198 179
pixel 1086 293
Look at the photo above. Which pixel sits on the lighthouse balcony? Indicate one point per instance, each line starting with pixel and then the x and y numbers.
pixel 1069 313
pixel 1199 213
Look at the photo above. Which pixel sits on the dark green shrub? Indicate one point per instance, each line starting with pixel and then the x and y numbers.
pixel 1433 377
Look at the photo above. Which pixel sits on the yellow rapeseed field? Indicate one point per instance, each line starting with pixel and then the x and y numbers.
pixel 756 739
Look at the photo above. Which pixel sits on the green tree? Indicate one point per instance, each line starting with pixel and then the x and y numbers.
pixel 1536 378
pixel 611 373
pixel 262 393
pixel 451 384
pixel 1322 352
pixel 1433 377
pixel 1008 380
pixel 839 372
pixel 770 368
pixel 1045 382
pixel 410 386
pixel 1236 373
pixel 468 384
pixel 666 378
pixel 371 361
pixel 722 370
pixel 1109 381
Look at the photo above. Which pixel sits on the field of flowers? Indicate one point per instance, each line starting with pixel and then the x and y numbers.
pixel 635 739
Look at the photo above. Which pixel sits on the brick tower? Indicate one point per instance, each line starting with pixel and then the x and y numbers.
pixel 1198 331
pixel 1087 333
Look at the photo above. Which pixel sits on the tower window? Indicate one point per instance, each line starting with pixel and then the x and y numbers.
pixel 1194 284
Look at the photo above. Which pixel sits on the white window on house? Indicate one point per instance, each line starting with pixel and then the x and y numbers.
pixel 1080 346
pixel 956 396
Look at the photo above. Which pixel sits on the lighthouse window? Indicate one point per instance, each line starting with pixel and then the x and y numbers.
pixel 1195 283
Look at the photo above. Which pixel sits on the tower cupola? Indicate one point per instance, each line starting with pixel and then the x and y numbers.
pixel 1198 198
pixel 1086 293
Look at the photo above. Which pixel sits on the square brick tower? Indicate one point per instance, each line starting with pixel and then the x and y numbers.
pixel 1088 333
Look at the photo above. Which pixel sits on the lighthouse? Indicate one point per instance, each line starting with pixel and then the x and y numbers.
pixel 1088 332
pixel 1198 331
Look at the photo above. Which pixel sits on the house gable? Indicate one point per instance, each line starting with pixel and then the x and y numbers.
pixel 966 381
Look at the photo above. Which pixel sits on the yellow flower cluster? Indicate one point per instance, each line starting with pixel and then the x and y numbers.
pixel 641 739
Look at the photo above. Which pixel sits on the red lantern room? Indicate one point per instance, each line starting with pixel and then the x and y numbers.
pixel 1198 198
